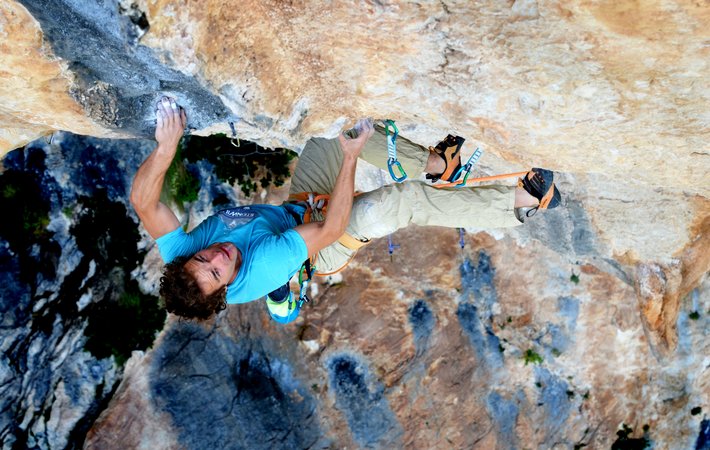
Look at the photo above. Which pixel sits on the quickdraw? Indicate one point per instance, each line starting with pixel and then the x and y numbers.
pixel 466 168
pixel 391 246
pixel 234 136
pixel 392 162
pixel 303 295
pixel 462 241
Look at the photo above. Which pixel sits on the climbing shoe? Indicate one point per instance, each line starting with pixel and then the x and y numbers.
pixel 449 149
pixel 538 183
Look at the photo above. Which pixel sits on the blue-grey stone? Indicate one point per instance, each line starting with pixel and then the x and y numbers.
pixel 556 404
pixel 422 320
pixel 202 379
pixel 478 280
pixel 504 413
pixel 118 81
pixel 484 342
pixel 568 308
pixel 703 441
pixel 362 401
pixel 559 337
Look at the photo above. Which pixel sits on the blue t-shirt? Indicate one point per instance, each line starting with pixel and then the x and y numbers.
pixel 272 252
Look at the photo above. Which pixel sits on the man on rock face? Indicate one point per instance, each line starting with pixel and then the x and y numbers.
pixel 242 254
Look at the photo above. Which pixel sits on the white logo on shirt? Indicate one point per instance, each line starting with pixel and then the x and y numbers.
pixel 235 217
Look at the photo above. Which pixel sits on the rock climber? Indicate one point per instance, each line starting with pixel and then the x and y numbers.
pixel 250 252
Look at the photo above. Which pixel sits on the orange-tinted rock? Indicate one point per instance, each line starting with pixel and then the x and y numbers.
pixel 35 89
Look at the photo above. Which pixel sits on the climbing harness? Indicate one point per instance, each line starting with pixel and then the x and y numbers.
pixel 392 162
pixel 466 168
pixel 234 136
pixel 314 201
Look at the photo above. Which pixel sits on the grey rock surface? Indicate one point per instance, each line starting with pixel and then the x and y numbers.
pixel 116 80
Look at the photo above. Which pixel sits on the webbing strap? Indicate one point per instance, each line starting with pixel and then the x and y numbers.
pixel 351 242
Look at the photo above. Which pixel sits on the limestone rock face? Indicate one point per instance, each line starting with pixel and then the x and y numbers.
pixel 614 88
pixel 509 342
pixel 613 94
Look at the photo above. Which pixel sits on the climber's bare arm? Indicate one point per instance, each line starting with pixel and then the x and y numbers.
pixel 157 218
pixel 319 235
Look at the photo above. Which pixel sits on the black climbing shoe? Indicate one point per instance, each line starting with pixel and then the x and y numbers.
pixel 538 183
pixel 450 151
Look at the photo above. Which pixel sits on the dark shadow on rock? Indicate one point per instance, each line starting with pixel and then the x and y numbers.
pixel 422 320
pixel 504 413
pixel 475 310
pixel 703 442
pixel 556 405
pixel 117 81
pixel 224 393
pixel 26 193
pixel 361 399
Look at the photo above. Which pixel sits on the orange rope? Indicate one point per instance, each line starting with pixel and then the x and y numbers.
pixel 478 180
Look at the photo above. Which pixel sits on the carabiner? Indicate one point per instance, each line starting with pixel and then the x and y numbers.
pixel 391 162
pixel 395 131
pixel 392 152
pixel 234 136
pixel 303 295
pixel 466 168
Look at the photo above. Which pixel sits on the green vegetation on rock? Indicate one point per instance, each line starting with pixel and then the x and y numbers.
pixel 182 184
pixel 28 216
pixel 26 221
pixel 532 357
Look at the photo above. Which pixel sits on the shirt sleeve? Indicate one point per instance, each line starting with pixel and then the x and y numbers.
pixel 178 243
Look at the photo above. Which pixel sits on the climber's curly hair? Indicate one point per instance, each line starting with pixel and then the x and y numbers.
pixel 183 297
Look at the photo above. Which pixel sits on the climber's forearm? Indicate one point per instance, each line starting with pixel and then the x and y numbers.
pixel 341 199
pixel 319 235
pixel 157 218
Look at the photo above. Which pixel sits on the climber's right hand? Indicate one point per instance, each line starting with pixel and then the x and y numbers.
pixel 170 123
pixel 352 147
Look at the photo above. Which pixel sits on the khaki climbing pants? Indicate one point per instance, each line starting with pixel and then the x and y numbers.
pixel 380 212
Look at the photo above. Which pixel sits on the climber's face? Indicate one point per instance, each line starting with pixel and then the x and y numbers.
pixel 215 266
